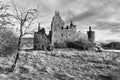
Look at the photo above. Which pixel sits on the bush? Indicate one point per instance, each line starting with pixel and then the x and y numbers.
pixel 81 44
pixel 111 45
pixel 60 45
pixel 8 42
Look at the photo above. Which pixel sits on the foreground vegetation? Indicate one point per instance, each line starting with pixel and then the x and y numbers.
pixel 8 42
pixel 111 45
pixel 62 65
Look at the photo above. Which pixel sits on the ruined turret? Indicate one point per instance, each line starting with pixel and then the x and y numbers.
pixel 41 41
pixel 71 24
pixel 91 35
pixel 39 28
pixel 73 27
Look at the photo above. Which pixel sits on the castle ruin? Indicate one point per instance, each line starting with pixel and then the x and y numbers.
pixel 41 39
pixel 58 35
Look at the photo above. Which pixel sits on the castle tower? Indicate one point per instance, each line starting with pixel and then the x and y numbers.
pixel 41 40
pixel 39 28
pixel 70 30
pixel 71 24
pixel 73 27
pixel 91 35
pixel 57 28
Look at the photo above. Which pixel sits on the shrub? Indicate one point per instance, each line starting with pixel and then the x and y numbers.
pixel 81 44
pixel 60 45
pixel 8 42
pixel 111 45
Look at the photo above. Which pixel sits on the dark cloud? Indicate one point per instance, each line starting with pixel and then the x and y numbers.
pixel 97 9
pixel 82 16
pixel 112 26
pixel 91 14
pixel 68 14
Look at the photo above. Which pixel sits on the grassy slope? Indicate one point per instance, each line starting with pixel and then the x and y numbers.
pixel 63 65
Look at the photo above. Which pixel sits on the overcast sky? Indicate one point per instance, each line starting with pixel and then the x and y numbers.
pixel 102 15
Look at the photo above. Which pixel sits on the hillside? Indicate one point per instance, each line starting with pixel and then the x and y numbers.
pixel 63 65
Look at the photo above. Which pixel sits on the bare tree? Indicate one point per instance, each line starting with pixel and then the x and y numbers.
pixel 25 18
pixel 4 15
pixel 6 36
pixel 8 42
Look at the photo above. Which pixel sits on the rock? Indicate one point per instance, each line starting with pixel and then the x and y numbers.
pixel 49 70
pixel 23 70
pixel 3 76
pixel 108 77
pixel 118 60
pixel 63 76
pixel 98 48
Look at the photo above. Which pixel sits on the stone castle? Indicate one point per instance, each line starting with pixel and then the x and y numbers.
pixel 58 34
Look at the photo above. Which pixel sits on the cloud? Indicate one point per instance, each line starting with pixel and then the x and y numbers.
pixel 93 13
pixel 112 26
pixel 82 16
pixel 102 13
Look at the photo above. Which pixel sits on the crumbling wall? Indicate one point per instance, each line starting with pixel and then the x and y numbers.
pixel 41 40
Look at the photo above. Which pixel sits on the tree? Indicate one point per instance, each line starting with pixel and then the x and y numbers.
pixel 4 16
pixel 81 44
pixel 25 18
pixel 8 42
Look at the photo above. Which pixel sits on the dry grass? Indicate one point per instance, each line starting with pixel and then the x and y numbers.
pixel 63 65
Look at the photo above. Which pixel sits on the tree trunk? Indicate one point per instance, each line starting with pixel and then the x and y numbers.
pixel 17 55
pixel 18 52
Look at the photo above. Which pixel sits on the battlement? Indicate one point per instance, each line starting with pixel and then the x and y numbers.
pixel 71 26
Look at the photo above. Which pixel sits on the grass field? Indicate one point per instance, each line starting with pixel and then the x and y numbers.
pixel 63 65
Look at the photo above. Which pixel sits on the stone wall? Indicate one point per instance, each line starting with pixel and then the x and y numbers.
pixel 41 40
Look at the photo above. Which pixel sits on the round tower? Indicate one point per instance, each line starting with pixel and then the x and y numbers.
pixel 39 28
pixel 91 35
